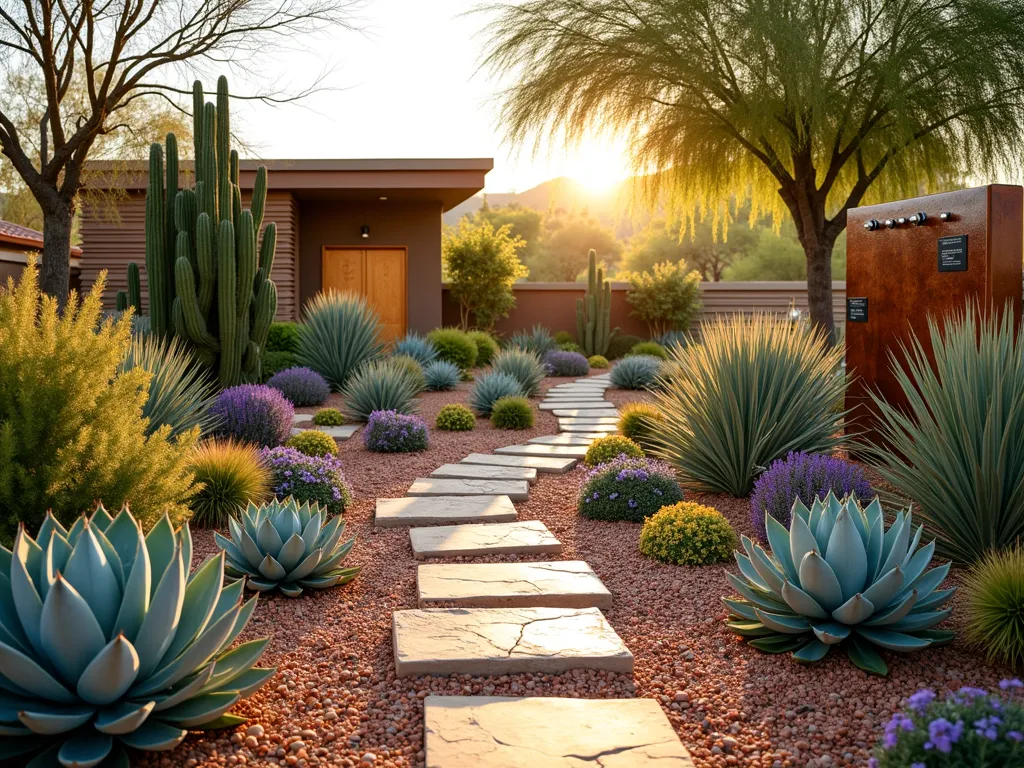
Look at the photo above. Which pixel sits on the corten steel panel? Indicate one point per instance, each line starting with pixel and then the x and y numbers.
pixel 897 271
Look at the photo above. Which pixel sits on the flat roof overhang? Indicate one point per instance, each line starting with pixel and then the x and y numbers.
pixel 445 181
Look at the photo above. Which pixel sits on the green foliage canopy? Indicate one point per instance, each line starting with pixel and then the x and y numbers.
pixel 482 263
pixel 667 298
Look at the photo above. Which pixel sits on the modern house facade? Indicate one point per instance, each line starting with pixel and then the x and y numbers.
pixel 372 227
pixel 18 244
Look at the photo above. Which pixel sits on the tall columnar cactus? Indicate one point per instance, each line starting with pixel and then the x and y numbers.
pixel 133 296
pixel 594 311
pixel 209 283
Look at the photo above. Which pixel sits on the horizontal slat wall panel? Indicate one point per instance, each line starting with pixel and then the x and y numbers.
pixel 111 240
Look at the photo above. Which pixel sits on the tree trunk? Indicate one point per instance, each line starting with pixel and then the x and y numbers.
pixel 56 266
pixel 819 285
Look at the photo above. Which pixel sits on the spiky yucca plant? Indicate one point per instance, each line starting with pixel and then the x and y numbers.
pixel 380 385
pixel 107 642
pixel 838 576
pixel 285 545
pixel 341 332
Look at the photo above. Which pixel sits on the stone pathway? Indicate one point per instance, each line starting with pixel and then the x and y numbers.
pixel 304 421
pixel 540 617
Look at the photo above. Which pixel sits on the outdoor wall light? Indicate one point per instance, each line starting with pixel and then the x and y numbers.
pixel 871 225
pixel 901 220
pixel 945 216
pixel 364 230
pixel 890 223
pixel 918 218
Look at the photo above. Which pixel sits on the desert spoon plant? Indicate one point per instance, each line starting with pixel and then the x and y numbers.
pixel 107 642
pixel 837 576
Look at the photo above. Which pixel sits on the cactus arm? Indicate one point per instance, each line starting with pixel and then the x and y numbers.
pixel 134 287
pixel 206 263
pixel 233 170
pixel 259 197
pixel 223 138
pixel 208 164
pixel 156 248
pixel 267 248
pixel 266 308
pixel 198 100
pixel 121 301
pixel 186 305
pixel 245 253
pixel 230 351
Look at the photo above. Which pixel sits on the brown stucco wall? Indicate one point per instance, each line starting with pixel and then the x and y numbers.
pixel 417 226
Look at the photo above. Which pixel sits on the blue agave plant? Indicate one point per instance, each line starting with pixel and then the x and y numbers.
pixel 837 576
pixel 107 642
pixel 286 545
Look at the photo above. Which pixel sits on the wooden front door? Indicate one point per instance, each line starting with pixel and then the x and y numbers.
pixel 379 274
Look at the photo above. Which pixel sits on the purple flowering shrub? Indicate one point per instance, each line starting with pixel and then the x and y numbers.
pixel 807 476
pixel 562 363
pixel 628 488
pixel 253 413
pixel 302 386
pixel 308 478
pixel 971 727
pixel 393 432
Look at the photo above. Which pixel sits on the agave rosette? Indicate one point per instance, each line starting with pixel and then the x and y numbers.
pixel 287 546
pixel 107 642
pixel 837 576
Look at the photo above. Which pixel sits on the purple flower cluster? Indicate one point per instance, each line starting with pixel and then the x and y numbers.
pixel 302 386
pixel 393 432
pixel 627 488
pixel 308 478
pixel 805 476
pixel 253 413
pixel 561 363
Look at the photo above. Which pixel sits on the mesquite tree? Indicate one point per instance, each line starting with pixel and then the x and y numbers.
pixel 118 48
pixel 805 108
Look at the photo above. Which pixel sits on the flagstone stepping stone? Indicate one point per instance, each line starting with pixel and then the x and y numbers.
pixel 504 641
pixel 549 732
pixel 342 433
pixel 550 405
pixel 578 388
pixel 300 418
pixel 517 490
pixel 550 465
pixel 571 420
pixel 573 396
pixel 574 451
pixel 563 584
pixel 480 472
pixel 585 411
pixel 589 429
pixel 528 537
pixel 443 510
pixel 569 439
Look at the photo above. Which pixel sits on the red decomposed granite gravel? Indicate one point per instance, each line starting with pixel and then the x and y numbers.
pixel 335 700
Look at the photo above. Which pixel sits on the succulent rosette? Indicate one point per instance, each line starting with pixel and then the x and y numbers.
pixel 108 641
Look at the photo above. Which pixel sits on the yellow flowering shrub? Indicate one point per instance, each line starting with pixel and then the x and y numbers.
pixel 687 534
pixel 607 448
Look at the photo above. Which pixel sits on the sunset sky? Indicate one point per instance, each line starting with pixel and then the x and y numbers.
pixel 408 86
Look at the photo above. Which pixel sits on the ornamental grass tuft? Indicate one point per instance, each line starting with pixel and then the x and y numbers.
pixel 524 367
pixel 486 347
pixel 454 346
pixel 417 347
pixel 228 476
pixel 636 372
pixel 441 376
pixel 393 432
pixel 512 413
pixel 340 334
pixel 491 387
pixel 687 534
pixel 627 489
pixel 380 385
pixel 995 606
pixel 651 349
pixel 640 422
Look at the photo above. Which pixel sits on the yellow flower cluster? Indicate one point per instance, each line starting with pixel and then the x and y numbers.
pixel 607 448
pixel 687 534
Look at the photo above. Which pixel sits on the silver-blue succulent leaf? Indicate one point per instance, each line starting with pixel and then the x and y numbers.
pixel 286 546
pixel 839 576
pixel 109 640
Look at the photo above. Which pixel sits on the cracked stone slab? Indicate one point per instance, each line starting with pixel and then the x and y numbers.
pixel 549 732
pixel 443 510
pixel 588 429
pixel 543 464
pixel 482 472
pixel 570 439
pixel 529 537
pixel 343 432
pixel 550 405
pixel 563 584
pixel 503 641
pixel 517 490
pixel 571 451
pixel 584 412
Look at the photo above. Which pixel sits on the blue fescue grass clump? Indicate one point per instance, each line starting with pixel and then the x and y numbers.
pixel 305 478
pixel 491 387
pixel 635 372
pixel 393 432
pixel 441 376
pixel 804 476
pixel 537 340
pixel 253 413
pixel 629 489
pixel 419 348
pixel 562 363
pixel 302 386
pixel 971 727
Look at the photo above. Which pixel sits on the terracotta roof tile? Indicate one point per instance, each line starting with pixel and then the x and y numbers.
pixel 15 234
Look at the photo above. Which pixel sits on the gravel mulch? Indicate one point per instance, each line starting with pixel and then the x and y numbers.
pixel 335 700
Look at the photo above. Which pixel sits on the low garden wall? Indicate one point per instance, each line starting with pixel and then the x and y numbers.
pixel 553 305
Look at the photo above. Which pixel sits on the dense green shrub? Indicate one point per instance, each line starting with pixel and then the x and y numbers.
pixel 341 333
pixel 666 298
pixel 379 385
pixel 636 372
pixel 482 263
pixel 228 476
pixel 312 442
pixel 651 348
pixel 627 489
pixel 272 362
pixel 71 428
pixel 755 389
pixel 524 367
pixel 604 449
pixel 328 417
pixel 640 422
pixel 598 361
pixel 454 346
pixel 180 392
pixel 455 417
pixel 620 345
pixel 418 348
pixel 486 347
pixel 441 376
pixel 687 534
pixel 572 346
pixel 512 413
pixel 283 337
pixel 413 370
pixel 955 447
pixel 537 340
pixel 564 337
pixel 995 606
pixel 491 387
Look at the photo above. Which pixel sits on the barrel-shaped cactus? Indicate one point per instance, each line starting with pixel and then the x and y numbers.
pixel 837 576
pixel 287 546
pixel 107 642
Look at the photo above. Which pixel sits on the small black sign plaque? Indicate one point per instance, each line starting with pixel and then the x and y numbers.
pixel 857 310
pixel 953 254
